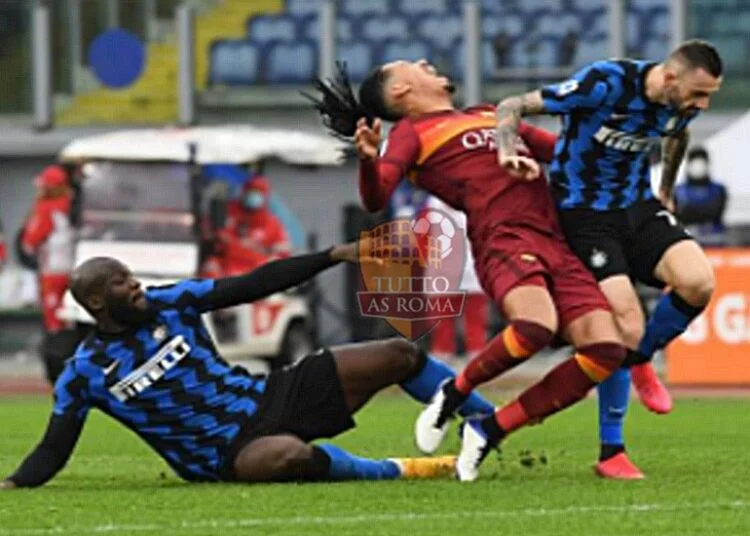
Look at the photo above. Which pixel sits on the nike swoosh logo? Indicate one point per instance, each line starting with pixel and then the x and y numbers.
pixel 617 411
pixel 112 367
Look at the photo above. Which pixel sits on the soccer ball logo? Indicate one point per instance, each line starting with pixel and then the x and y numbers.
pixel 437 225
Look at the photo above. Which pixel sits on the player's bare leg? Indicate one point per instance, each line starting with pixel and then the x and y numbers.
pixel 533 320
pixel 624 301
pixel 614 393
pixel 363 370
pixel 599 352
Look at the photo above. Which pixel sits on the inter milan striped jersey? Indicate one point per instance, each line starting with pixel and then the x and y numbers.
pixel 166 382
pixel 609 128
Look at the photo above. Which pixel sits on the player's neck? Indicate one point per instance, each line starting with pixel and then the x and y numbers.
pixel 431 106
pixel 654 86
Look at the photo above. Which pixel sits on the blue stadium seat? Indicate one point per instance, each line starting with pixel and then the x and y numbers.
pixel 557 25
pixel 655 48
pixel 591 51
pixel 234 63
pixel 511 23
pixel 289 63
pixel 422 7
pixel 368 7
pixel 302 7
pixel 495 7
pixel 411 50
pixel 310 28
pixel 358 57
pixel 379 29
pixel 594 24
pixel 442 31
pixel 267 28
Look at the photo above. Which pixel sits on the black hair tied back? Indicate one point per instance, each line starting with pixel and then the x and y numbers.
pixel 337 104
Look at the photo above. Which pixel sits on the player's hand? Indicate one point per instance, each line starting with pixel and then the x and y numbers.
pixel 367 140
pixel 521 167
pixel 7 484
pixel 351 253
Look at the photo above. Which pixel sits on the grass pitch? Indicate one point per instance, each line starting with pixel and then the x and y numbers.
pixel 696 461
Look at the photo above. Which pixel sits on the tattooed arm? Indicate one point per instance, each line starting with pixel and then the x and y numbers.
pixel 509 114
pixel 673 151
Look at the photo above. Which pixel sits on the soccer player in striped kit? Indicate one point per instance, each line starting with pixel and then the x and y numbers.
pixel 613 113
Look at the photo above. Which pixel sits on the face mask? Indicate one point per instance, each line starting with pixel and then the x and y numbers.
pixel 254 200
pixel 697 168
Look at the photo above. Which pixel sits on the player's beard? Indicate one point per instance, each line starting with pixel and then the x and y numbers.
pixel 127 315
pixel 450 88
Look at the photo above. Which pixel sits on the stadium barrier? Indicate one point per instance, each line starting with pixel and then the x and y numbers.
pixel 715 350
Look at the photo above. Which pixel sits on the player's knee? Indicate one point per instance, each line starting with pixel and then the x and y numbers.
pixel 697 288
pixel 405 356
pixel 292 459
pixel 631 326
pixel 606 357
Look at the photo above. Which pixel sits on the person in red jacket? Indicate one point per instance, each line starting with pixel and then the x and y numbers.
pixel 48 235
pixel 253 235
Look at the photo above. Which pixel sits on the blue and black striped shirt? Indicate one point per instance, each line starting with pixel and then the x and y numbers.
pixel 609 127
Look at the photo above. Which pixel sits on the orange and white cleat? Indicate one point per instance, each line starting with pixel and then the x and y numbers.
pixel 650 389
pixel 419 468
pixel 619 467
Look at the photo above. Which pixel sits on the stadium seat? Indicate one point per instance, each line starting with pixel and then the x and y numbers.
pixel 411 50
pixel 310 28
pixel 379 29
pixel 442 31
pixel 267 28
pixel 557 25
pixel 291 63
pixel 591 51
pixel 358 57
pixel 422 7
pixel 510 23
pixel 301 8
pixel 234 63
pixel 368 7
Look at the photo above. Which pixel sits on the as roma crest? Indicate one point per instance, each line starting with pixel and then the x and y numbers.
pixel 416 284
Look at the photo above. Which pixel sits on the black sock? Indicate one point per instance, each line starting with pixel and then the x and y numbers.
pixel 608 451
pixel 318 465
pixel 633 357
pixel 494 433
pixel 454 398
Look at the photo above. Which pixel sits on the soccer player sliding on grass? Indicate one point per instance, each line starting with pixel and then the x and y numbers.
pixel 151 365
pixel 520 252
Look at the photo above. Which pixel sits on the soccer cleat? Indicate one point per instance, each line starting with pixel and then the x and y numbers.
pixel 418 468
pixel 650 389
pixel 432 423
pixel 475 445
pixel 619 467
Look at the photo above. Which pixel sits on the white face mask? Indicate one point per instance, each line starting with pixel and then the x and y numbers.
pixel 697 168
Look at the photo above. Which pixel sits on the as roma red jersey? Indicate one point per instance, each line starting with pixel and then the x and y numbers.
pixel 453 155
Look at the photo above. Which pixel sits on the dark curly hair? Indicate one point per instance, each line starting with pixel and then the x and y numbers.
pixel 341 110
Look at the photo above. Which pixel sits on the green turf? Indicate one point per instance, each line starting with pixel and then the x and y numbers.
pixel 696 460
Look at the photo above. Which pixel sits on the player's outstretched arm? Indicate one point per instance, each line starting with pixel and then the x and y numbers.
pixel 509 114
pixel 673 151
pixel 50 455
pixel 275 276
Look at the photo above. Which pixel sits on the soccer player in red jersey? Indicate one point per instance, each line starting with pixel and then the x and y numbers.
pixel 520 253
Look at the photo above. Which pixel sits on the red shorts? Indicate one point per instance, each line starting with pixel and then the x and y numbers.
pixel 515 256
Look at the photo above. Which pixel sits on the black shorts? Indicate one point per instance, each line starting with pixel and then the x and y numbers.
pixel 627 241
pixel 305 400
